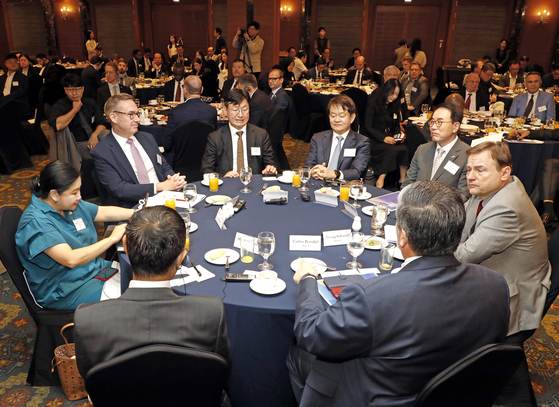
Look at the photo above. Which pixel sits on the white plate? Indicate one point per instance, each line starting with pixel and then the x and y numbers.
pixel 333 192
pixel 468 128
pixel 210 199
pixel 375 238
pixel 318 264
pixel 368 210
pixel 220 261
pixel 398 254
pixel 193 227
pixel 206 183
pixel 162 108
pixel 412 118
pixel 363 197
pixel 285 180
pixel 278 288
pixel 420 122
pixel 146 124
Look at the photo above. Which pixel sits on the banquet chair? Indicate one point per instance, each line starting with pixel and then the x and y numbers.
pixel 13 154
pixel 48 321
pixel 189 144
pixel 158 375
pixel 553 252
pixel 303 123
pixel 359 97
pixel 475 380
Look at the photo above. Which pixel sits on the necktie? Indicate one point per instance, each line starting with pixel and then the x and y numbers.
pixel 240 152
pixel 438 161
pixel 141 171
pixel 359 78
pixel 178 94
pixel 529 106
pixel 320 75
pixel 468 101
pixel 479 208
pixel 333 164
pixel 121 80
pixel 272 96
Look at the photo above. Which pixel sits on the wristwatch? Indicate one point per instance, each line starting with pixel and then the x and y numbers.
pixel 338 174
pixel 308 275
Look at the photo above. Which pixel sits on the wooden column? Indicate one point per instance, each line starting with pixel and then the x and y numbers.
pixel 267 13
pixel 236 18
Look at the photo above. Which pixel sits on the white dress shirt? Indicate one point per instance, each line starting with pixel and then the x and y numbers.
pixel 149 284
pixel 8 84
pixel 234 139
pixel 473 107
pixel 181 84
pixel 446 149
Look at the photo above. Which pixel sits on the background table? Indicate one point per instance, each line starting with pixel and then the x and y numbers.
pixel 261 327
pixel 147 94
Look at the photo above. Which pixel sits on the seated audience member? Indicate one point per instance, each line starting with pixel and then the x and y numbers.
pixel 551 79
pixel 26 67
pixel 390 72
pixel 533 103
pixel 136 65
pixel 415 89
pixel 223 66
pixel 149 312
pixel 300 60
pixel 386 337
pixel 485 84
pixel 210 72
pixel 288 65
pixel 57 242
pixel 503 232
pixel 14 84
pixel 383 116
pixel 339 153
pixel 128 163
pixel 115 58
pixel 91 78
pixel 111 87
pixel 320 71
pixel 123 78
pixel 192 109
pixel 180 58
pixel 525 66
pixel 147 60
pixel 443 159
pixel 406 65
pixel 238 70
pixel 328 59
pixel 197 67
pixel 278 96
pixel 511 79
pixel 211 54
pixel 79 114
pixel 360 74
pixel 261 107
pixel 475 100
pixel 173 91
pixel 158 67
pixel 239 144
pixel 352 62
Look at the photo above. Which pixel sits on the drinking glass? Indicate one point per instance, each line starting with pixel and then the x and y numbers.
pixel 170 201
pixel 424 109
pixel 246 177
pixel 186 218
pixel 266 247
pixel 305 175
pixel 489 125
pixel 357 190
pixel 296 182
pixel 355 247
pixel 190 195
pixel 247 249
pixel 379 216
pixel 386 255
pixel 160 99
pixel 137 101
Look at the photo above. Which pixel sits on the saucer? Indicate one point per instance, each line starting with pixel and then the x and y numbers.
pixel 368 210
pixel 217 199
pixel 318 264
pixel 376 245
pixel 278 288
pixel 285 180
pixel 206 183
pixel 193 227
pixel 363 197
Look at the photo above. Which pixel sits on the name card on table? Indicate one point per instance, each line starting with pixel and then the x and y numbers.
pixel 350 210
pixel 310 243
pixel 220 220
pixel 325 199
pixel 336 237
pixel 237 242
pixel 269 195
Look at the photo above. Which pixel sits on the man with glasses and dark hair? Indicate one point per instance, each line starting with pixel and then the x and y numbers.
pixel 279 97
pixel 320 71
pixel 443 159
pixel 128 163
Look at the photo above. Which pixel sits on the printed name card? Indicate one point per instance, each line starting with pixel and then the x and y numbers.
pixel 270 195
pixel 350 209
pixel 336 237
pixel 310 243
pixel 325 199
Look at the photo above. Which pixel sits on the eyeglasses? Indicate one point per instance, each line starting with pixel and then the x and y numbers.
pixel 132 116
pixel 73 90
pixel 438 122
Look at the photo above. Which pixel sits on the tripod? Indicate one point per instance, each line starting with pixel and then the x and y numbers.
pixel 244 49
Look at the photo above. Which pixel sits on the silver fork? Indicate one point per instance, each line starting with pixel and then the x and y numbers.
pixel 263 188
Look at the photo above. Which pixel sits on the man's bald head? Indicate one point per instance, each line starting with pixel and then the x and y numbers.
pixel 192 86
pixel 457 101
pixel 360 63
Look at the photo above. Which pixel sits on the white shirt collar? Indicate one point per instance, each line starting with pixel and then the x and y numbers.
pixel 122 140
pixel 334 135
pixel 149 284
pixel 409 260
pixel 234 130
pixel 449 145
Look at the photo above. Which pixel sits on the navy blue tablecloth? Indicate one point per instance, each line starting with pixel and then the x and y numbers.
pixel 147 94
pixel 261 327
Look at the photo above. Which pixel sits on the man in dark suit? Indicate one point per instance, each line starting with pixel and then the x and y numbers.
pixel 485 84
pixel 551 79
pixel 387 336
pixel 415 88
pixel 261 107
pixel 352 62
pixel 339 153
pixel 475 99
pixel 49 73
pixel 238 144
pixel 91 78
pixel 238 70
pixel 192 109
pixel 512 78
pixel 128 163
pixel 136 64
pixel 443 159
pixel 180 58
pixel 14 84
pixel 219 41
pixel 149 312
pixel 158 67
pixel 278 96
pixel 111 86
pixel 360 74
pixel 320 71
pixel 173 91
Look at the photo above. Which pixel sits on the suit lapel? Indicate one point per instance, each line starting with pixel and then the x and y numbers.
pixel 120 157
pixel 327 140
pixel 227 141
pixel 451 156
pixel 348 143
pixel 428 159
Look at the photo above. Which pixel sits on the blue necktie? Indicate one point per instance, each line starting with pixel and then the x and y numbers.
pixel 333 164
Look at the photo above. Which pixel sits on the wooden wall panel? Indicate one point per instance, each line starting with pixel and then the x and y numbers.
pixel 538 41
pixel 115 29
pixel 28 27
pixel 4 42
pixel 478 31
pixel 68 32
pixel 220 20
pixel 290 31
pixel 266 12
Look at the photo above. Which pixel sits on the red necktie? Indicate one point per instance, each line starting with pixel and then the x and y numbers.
pixel 479 208
pixel 468 101
pixel 178 94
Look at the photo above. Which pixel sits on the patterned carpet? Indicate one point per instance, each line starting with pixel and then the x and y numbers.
pixel 17 329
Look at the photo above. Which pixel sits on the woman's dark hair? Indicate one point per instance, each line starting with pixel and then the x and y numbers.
pixel 201 54
pixel 286 62
pixel 210 66
pixel 386 89
pixel 415 46
pixel 198 61
pixel 504 39
pixel 170 43
pixel 57 175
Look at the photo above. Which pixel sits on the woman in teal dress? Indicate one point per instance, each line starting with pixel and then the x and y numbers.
pixel 57 241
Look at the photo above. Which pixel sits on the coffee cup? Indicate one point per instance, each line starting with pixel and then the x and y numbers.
pixel 267 279
pixel 153 102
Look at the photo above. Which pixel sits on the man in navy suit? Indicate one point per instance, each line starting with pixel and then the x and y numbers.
pixel 192 109
pixel 173 91
pixel 278 96
pixel 387 336
pixel 533 103
pixel 14 84
pixel 320 71
pixel 128 163
pixel 261 107
pixel 111 86
pixel 339 153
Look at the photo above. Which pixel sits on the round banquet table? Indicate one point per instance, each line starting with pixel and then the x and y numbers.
pixel 148 93
pixel 260 328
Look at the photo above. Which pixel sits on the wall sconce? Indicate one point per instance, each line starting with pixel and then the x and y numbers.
pixel 285 13
pixel 543 18
pixel 65 11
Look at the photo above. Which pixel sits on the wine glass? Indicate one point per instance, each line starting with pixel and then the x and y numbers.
pixel 266 247
pixel 355 247
pixel 190 195
pixel 424 109
pixel 357 190
pixel 379 216
pixel 246 177
pixel 489 125
pixel 305 175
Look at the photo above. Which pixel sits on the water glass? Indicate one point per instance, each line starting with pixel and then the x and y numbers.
pixel 386 255
pixel 357 190
pixel 305 175
pixel 160 99
pixel 190 195
pixel 266 246
pixel 355 247
pixel 379 216
pixel 246 177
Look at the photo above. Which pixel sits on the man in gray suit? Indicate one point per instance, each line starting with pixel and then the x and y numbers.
pixel 387 336
pixel 415 88
pixel 503 232
pixel 149 312
pixel 443 159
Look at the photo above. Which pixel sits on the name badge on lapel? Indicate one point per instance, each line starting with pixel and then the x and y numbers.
pixel 414 89
pixel 255 151
pixel 542 108
pixel 349 152
pixel 159 160
pixel 15 83
pixel 451 167
pixel 79 224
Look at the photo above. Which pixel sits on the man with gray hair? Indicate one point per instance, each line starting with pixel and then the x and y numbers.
pixel 354 354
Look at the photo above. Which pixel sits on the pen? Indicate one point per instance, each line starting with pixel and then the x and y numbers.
pixel 200 274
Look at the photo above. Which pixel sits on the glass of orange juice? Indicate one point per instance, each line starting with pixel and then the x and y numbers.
pixel 344 192
pixel 296 183
pixel 170 201
pixel 214 182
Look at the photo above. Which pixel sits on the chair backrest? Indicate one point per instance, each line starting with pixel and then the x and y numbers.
pixel 301 100
pixel 189 144
pixel 9 219
pixel 476 380
pixel 553 253
pixel 359 97
pixel 276 125
pixel 11 141
pixel 158 375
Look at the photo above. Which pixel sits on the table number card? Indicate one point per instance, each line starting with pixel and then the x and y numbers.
pixel 336 237
pixel 307 243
